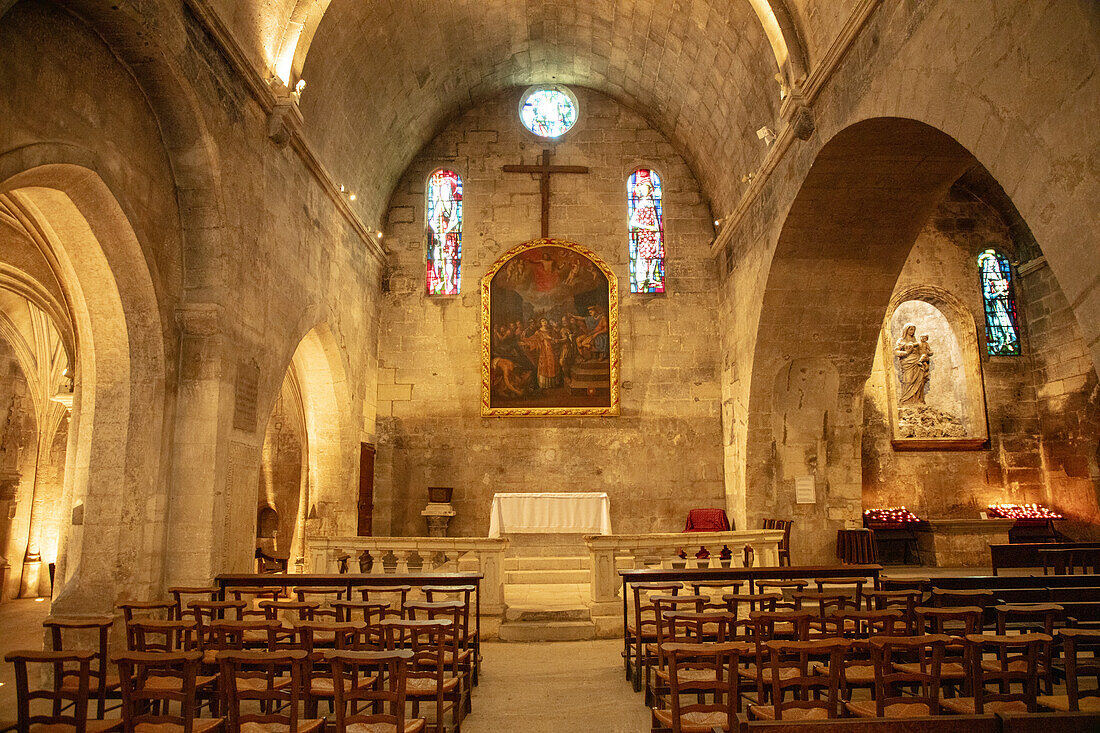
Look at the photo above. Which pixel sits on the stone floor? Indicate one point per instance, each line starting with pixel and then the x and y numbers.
pixel 555 686
pixel 20 628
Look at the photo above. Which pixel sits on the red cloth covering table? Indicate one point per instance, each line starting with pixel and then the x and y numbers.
pixel 707 520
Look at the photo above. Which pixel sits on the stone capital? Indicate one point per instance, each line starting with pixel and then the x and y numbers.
pixel 284 121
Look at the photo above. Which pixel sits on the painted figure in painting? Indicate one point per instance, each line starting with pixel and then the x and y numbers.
pixel 914 362
pixel 550 332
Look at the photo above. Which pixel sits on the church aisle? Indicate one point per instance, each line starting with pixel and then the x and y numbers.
pixel 555 686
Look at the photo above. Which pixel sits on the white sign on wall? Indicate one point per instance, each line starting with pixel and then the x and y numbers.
pixel 804 490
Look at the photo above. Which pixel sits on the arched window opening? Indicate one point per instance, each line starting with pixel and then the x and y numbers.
pixel 647 232
pixel 1002 332
pixel 444 220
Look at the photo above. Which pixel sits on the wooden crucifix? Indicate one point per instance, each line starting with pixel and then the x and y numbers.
pixel 544 171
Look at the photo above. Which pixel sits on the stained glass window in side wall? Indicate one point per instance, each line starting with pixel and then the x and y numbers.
pixel 647 232
pixel 1002 331
pixel 444 225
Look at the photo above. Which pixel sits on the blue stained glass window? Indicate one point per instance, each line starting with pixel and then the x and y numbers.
pixel 444 220
pixel 647 232
pixel 1002 332
pixel 548 112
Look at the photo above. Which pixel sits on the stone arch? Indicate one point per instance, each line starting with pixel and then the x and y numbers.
pixel 114 472
pixel 329 491
pixel 841 248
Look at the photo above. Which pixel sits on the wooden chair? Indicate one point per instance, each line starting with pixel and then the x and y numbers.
pixel 653 659
pixel 151 635
pixel 205 612
pixel 702 671
pixel 782 587
pixel 265 691
pixel 289 612
pixel 904 689
pixel 1076 667
pixel 956 622
pixel 458 658
pixel 104 684
pixel 155 682
pixel 785 543
pixel 791 668
pixel 765 626
pixel 183 594
pixel 73 696
pixel 825 605
pixel 370 691
pixel 146 609
pixel 1032 617
pixel 427 677
pixel 843 584
pixel 754 601
pixel 322 598
pixel 904 600
pixel 641 631
pixel 860 627
pixel 715 590
pixel 947 598
pixel 1018 662
pixel 467 594
pixel 395 596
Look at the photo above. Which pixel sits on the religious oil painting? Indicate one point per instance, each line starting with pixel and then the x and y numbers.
pixel 549 333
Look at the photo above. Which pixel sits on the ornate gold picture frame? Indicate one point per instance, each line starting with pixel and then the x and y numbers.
pixel 549 333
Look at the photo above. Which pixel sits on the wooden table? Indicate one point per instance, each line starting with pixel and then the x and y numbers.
pixel 686 575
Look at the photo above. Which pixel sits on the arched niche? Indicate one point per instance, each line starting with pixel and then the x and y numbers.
pixel 935 396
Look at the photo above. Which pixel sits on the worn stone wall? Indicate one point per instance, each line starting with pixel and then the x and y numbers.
pixel 18 449
pixel 662 455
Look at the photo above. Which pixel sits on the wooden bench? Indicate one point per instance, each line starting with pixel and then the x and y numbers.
pixel 1028 554
pixel 1082 722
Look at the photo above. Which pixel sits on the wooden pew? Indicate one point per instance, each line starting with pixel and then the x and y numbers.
pixel 1027 554
pixel 934 724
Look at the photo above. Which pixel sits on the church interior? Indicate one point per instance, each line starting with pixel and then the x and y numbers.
pixel 424 343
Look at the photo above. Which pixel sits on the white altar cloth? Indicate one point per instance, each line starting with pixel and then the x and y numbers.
pixel 569 512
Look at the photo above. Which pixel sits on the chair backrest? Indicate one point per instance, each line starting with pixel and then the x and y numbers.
pixel 448 592
pixel 369 613
pixel 205 612
pixel 855 624
pixel 1017 662
pixel 381 704
pixel 714 590
pixel 63 633
pixel 783 524
pixel 1078 666
pixel 904 600
pixel 182 594
pixel 161 636
pixel 327 634
pixel 946 598
pixel 146 609
pixel 58 698
pixel 852 587
pixel 395 596
pixel 289 610
pixel 456 612
pixel 152 704
pixel 955 621
pixel 856 546
pixel 693 627
pixel 715 692
pixel 754 601
pixel 824 604
pixel 233 635
pixel 264 688
pixel 645 618
pixel 430 643
pixel 253 594
pixel 791 666
pixel 918 684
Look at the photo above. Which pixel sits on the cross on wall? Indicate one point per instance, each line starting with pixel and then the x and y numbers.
pixel 544 170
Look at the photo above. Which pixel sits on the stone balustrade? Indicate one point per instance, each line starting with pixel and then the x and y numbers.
pixel 611 553
pixel 380 555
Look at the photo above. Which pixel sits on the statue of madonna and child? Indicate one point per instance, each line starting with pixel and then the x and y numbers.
pixel 915 418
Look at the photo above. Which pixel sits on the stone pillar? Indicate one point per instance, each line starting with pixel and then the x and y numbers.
pixel 492 585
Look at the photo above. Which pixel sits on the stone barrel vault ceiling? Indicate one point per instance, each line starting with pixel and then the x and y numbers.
pixel 383 76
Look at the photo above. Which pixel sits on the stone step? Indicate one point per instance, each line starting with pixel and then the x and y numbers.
pixel 547 631
pixel 547 563
pixel 544 615
pixel 547 577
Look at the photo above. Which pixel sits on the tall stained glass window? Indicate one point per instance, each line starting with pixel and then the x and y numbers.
pixel 444 220
pixel 647 232
pixel 1002 332
pixel 548 111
